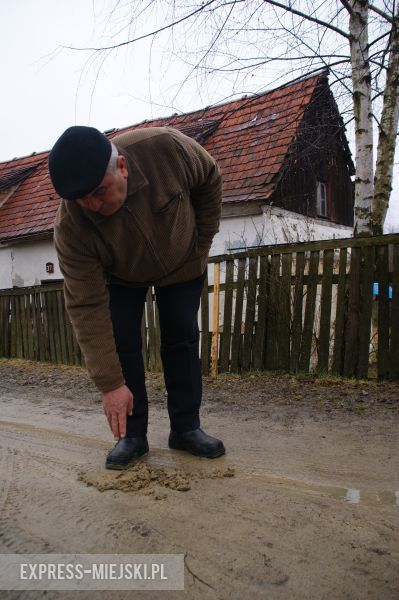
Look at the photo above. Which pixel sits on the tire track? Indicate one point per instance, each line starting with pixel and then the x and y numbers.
pixel 6 470
pixel 14 536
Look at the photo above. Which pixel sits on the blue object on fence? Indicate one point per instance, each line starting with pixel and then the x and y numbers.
pixel 375 290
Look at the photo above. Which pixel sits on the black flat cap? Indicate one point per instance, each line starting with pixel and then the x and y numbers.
pixel 78 161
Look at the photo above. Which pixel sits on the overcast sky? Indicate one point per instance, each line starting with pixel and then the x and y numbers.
pixel 46 88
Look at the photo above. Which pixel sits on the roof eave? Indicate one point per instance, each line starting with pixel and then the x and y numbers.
pixel 26 237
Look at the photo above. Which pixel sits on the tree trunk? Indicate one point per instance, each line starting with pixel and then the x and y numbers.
pixel 387 135
pixel 361 79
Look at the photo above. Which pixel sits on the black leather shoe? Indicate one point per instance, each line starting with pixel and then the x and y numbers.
pixel 196 442
pixel 125 451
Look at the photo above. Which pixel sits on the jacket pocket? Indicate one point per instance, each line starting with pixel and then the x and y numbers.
pixel 168 203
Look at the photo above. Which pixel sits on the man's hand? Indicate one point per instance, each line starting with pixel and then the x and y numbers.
pixel 117 404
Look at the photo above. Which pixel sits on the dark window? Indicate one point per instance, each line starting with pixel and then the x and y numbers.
pixel 321 199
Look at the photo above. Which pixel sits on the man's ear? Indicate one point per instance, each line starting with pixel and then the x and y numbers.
pixel 121 164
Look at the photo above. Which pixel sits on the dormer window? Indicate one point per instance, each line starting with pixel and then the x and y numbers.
pixel 321 199
pixel 10 180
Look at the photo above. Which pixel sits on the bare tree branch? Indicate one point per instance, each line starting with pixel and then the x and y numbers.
pixel 208 50
pixel 381 13
pixel 378 39
pixel 307 17
pixel 151 33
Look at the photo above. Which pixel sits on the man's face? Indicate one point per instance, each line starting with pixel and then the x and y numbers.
pixel 109 196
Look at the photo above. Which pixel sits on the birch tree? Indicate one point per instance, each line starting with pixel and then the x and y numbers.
pixel 240 41
pixel 388 131
pixel 372 193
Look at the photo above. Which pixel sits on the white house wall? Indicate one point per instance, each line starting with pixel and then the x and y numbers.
pixel 5 268
pixel 273 226
pixel 27 264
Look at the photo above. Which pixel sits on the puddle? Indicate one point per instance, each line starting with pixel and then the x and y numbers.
pixel 372 498
pixel 351 495
pixel 178 471
pixel 173 462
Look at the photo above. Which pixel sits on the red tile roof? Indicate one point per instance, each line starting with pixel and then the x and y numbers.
pixel 249 138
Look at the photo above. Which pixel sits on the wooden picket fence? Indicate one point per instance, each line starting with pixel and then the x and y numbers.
pixel 291 307
pixel 34 325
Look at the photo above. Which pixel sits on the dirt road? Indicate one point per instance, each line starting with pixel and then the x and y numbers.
pixel 305 504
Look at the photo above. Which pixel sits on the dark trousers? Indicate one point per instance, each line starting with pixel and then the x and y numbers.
pixel 178 306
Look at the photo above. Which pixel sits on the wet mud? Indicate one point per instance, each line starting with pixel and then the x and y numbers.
pixel 143 476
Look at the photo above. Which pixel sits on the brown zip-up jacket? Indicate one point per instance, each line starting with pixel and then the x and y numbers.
pixel 161 235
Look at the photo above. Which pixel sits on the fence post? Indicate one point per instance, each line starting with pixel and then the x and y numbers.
pixel 215 329
pixel 205 327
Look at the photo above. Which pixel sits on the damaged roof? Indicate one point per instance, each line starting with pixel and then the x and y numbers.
pixel 249 138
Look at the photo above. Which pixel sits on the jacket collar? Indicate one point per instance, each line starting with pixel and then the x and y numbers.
pixel 136 178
